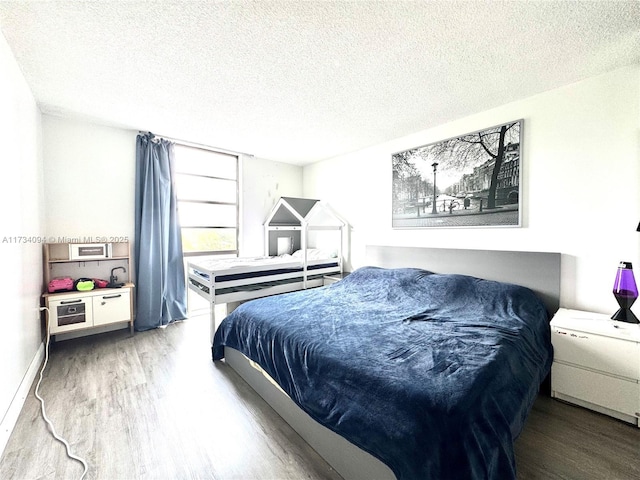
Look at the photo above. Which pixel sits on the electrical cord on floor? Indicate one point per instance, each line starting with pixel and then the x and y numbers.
pixel 44 414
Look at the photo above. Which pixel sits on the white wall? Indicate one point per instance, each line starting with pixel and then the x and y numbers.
pixel 89 179
pixel 21 225
pixel 581 173
pixel 263 183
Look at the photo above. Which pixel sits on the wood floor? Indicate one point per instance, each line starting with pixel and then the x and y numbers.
pixel 154 406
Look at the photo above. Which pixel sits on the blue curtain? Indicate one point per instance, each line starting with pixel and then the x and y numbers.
pixel 160 280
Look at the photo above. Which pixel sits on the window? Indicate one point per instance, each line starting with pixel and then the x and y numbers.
pixel 207 191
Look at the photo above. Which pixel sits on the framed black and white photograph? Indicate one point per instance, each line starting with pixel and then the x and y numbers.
pixel 473 180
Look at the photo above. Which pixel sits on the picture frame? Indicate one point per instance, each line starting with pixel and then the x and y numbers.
pixel 473 180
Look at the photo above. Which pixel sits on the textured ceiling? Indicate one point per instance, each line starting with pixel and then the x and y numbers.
pixel 303 81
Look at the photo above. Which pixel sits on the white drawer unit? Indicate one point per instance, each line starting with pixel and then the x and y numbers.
pixel 81 310
pixel 596 363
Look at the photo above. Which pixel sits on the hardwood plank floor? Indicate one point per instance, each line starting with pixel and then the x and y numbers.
pixel 154 406
pixel 562 441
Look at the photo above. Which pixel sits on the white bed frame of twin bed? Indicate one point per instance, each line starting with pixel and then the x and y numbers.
pixel 538 271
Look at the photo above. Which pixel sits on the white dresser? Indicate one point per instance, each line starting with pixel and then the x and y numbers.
pixel 596 363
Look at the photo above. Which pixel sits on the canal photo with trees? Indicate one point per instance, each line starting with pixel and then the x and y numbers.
pixel 473 180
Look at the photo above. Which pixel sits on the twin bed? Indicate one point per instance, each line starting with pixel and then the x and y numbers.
pixel 293 231
pixel 400 372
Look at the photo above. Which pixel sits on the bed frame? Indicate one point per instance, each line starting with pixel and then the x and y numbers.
pixel 536 270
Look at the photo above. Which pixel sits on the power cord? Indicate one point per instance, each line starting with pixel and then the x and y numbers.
pixel 44 414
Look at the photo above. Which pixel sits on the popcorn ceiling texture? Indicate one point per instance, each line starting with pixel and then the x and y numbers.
pixel 303 81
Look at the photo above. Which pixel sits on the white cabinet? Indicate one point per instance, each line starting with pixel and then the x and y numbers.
pixel 112 306
pixel 596 363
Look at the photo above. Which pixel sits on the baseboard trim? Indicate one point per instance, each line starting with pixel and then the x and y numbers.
pixel 9 421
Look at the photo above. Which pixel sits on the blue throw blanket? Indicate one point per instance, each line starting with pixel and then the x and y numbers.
pixel 432 374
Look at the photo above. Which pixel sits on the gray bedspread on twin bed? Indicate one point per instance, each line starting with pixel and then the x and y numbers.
pixel 432 374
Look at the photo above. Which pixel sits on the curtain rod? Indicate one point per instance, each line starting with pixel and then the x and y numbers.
pixel 200 146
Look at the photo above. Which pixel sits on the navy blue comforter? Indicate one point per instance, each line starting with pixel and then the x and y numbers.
pixel 432 374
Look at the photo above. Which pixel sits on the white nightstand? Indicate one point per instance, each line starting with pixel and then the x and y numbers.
pixel 596 363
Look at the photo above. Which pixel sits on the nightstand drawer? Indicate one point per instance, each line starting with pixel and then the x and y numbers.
pixel 612 393
pixel 604 354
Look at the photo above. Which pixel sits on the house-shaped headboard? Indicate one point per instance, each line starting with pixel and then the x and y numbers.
pixel 291 221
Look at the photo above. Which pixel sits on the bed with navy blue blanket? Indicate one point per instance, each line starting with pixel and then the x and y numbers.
pixel 432 374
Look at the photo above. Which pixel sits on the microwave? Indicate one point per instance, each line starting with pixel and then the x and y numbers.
pixel 90 251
